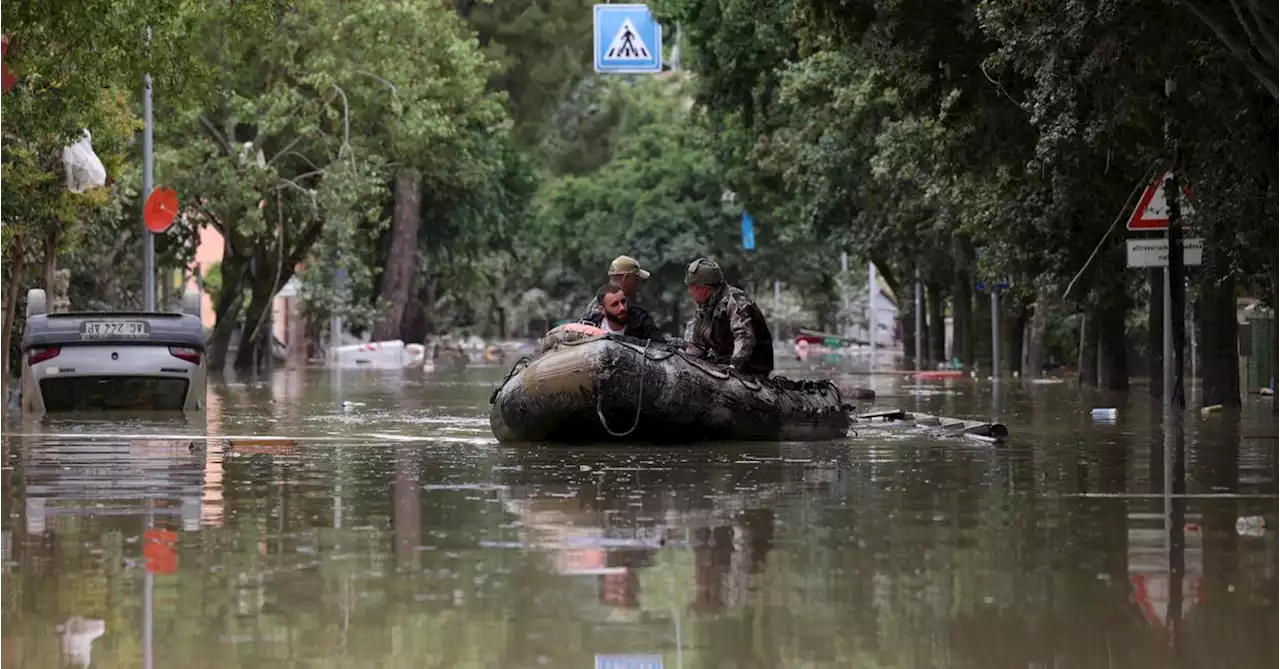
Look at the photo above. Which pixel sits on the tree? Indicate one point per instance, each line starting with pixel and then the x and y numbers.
pixel 307 127
pixel 78 68
pixel 1256 48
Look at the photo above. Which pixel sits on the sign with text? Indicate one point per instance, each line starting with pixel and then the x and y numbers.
pixel 1155 252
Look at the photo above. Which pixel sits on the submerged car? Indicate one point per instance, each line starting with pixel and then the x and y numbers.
pixel 113 361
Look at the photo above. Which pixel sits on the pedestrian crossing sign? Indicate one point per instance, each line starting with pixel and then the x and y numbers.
pixel 627 39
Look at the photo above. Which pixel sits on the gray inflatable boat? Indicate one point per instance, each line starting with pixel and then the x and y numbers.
pixel 587 386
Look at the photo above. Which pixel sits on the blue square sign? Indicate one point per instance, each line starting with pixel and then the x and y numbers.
pixel 627 39
pixel 628 662
pixel 748 232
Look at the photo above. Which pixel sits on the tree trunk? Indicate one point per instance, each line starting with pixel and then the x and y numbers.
pixel 1113 358
pixel 414 326
pixel 907 326
pixel 403 260
pixel 1219 333
pixel 50 266
pixel 980 331
pixel 430 294
pixel 16 267
pixel 962 327
pixel 251 338
pixel 1018 326
pixel 1038 337
pixel 227 309
pixel 1275 340
pixel 1155 332
pixel 1089 348
pixel 935 300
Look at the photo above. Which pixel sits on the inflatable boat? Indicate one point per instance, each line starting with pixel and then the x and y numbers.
pixel 591 386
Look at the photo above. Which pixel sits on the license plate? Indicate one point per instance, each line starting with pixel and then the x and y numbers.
pixel 108 329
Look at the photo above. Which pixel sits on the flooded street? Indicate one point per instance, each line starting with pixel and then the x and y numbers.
pixel 390 530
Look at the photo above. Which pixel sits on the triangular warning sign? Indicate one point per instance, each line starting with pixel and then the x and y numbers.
pixel 627 44
pixel 1152 212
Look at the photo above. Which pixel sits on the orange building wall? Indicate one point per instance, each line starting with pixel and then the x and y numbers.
pixel 208 253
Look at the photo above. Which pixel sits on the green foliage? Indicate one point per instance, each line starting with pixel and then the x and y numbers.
pixel 542 49
pixel 658 198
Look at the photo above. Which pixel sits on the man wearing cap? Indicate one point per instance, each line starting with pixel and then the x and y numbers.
pixel 626 273
pixel 727 326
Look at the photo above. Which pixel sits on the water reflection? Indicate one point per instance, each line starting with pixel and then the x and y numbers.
pixel 1077 546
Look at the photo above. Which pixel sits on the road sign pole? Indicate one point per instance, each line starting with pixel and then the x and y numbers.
pixel 148 184
pixel 871 312
pixel 919 322
pixel 995 334
pixel 1173 315
pixel 845 325
pixel 1167 326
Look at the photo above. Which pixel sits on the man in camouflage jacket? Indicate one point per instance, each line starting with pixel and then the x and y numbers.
pixel 727 326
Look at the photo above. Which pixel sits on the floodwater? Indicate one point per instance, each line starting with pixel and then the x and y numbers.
pixel 391 530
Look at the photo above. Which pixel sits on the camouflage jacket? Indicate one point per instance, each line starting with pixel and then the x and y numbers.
pixel 729 328
pixel 639 323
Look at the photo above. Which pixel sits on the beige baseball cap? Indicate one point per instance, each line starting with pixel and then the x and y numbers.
pixel 627 265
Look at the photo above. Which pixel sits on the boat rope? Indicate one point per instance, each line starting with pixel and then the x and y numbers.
pixel 639 401
pixel 515 369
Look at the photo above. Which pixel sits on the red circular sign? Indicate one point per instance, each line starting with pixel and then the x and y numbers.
pixel 160 209
pixel 7 80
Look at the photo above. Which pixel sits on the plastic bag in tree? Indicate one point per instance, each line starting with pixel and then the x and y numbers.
pixel 84 170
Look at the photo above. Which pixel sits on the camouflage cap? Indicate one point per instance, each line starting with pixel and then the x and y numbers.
pixel 703 272
pixel 627 265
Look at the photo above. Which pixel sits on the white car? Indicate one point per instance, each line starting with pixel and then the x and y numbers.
pixel 113 361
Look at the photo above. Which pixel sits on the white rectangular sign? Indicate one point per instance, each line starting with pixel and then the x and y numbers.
pixel 1155 252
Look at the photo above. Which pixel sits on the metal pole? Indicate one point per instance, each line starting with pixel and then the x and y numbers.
pixel 920 356
pixel 1167 326
pixel 871 313
pixel 1191 327
pixel 148 591
pixel 335 320
pixel 844 290
pixel 1174 396
pixel 148 184
pixel 995 334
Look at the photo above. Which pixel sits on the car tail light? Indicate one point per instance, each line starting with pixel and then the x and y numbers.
pixel 42 353
pixel 191 355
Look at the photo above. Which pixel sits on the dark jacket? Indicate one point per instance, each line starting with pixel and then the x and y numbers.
pixel 730 329
pixel 639 323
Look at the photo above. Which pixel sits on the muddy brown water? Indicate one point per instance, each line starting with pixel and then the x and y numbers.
pixel 392 531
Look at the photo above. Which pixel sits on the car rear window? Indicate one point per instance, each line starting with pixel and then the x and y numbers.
pixel 114 393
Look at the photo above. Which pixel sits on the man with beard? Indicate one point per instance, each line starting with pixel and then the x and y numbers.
pixel 617 316
pixel 625 273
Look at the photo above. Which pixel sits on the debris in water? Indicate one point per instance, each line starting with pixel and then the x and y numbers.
pixel 1106 414
pixel 1210 410
pixel 1251 526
